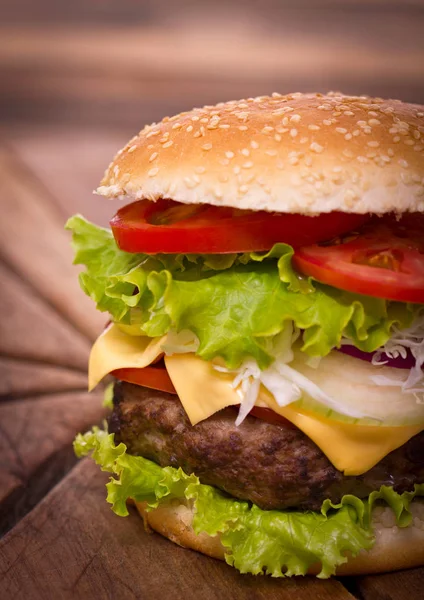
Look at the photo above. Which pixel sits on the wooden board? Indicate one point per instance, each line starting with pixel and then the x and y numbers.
pixel 72 546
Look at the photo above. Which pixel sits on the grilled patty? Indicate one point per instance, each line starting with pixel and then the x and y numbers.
pixel 272 465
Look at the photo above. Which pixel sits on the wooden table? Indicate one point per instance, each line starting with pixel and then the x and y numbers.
pixel 61 539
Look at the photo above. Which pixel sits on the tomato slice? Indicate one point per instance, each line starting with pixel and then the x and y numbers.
pixel 268 415
pixel 154 377
pixel 385 260
pixel 166 226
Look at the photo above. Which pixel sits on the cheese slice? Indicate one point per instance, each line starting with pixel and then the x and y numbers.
pixel 203 391
pixel 115 349
pixel 352 449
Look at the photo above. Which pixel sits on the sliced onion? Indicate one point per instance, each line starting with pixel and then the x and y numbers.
pixel 349 382
pixel 397 363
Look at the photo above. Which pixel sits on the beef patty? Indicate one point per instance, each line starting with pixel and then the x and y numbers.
pixel 272 465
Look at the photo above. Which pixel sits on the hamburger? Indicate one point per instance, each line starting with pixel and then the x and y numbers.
pixel 265 286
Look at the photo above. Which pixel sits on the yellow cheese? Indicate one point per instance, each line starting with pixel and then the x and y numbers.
pixel 353 449
pixel 202 390
pixel 115 349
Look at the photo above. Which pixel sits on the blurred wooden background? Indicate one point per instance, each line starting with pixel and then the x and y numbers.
pixel 125 62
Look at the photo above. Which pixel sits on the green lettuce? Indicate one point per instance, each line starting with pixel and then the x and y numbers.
pixel 278 543
pixel 235 304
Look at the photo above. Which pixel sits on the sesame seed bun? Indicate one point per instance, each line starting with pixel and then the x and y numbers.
pixel 301 153
pixel 395 548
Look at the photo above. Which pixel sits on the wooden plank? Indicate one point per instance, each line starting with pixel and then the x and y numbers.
pixel 403 585
pixel 72 546
pixel 35 446
pixel 19 378
pixel 139 74
pixel 34 244
pixel 77 156
pixel 30 329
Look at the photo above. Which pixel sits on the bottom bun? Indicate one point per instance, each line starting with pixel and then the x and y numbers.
pixel 395 548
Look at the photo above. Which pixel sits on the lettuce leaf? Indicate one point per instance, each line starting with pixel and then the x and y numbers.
pixel 278 543
pixel 235 304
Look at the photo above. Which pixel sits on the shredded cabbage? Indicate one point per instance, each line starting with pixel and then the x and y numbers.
pixel 402 340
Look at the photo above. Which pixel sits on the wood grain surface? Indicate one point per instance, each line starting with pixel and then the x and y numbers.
pixel 77 79
pixel 118 62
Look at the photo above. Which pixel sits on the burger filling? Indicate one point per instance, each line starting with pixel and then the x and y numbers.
pixel 285 354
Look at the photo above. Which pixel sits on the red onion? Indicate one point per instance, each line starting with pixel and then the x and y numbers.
pixel 397 363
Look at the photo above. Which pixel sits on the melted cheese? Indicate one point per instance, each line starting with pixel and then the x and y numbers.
pixel 353 449
pixel 115 349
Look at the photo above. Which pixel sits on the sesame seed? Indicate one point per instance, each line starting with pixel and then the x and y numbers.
pixel 224 162
pixel 153 156
pixel 132 148
pixel 242 115
pixel 308 161
pixel 409 142
pixel 277 137
pixel 285 121
pixel 293 133
pixel 243 189
pixel 245 152
pixel 236 170
pixel 197 134
pixel 314 127
pixel 206 146
pixel 243 127
pixel 341 130
pixel 152 133
pixel 267 129
pixel 229 154
pixel 396 139
pixel 316 147
pixel 224 126
pixel 327 122
pixel 295 118
pixel 189 128
pixel 153 172
pixel 293 160
pixel 390 152
pixel 373 122
pixel 168 144
pixel 271 152
pixel 348 136
pixel 190 183
pixel 304 140
pixel 254 145
pixel 403 163
pixel 176 126
pixel 349 113
pixel 195 118
pixel 247 165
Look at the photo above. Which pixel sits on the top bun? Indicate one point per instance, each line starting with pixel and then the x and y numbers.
pixel 301 153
